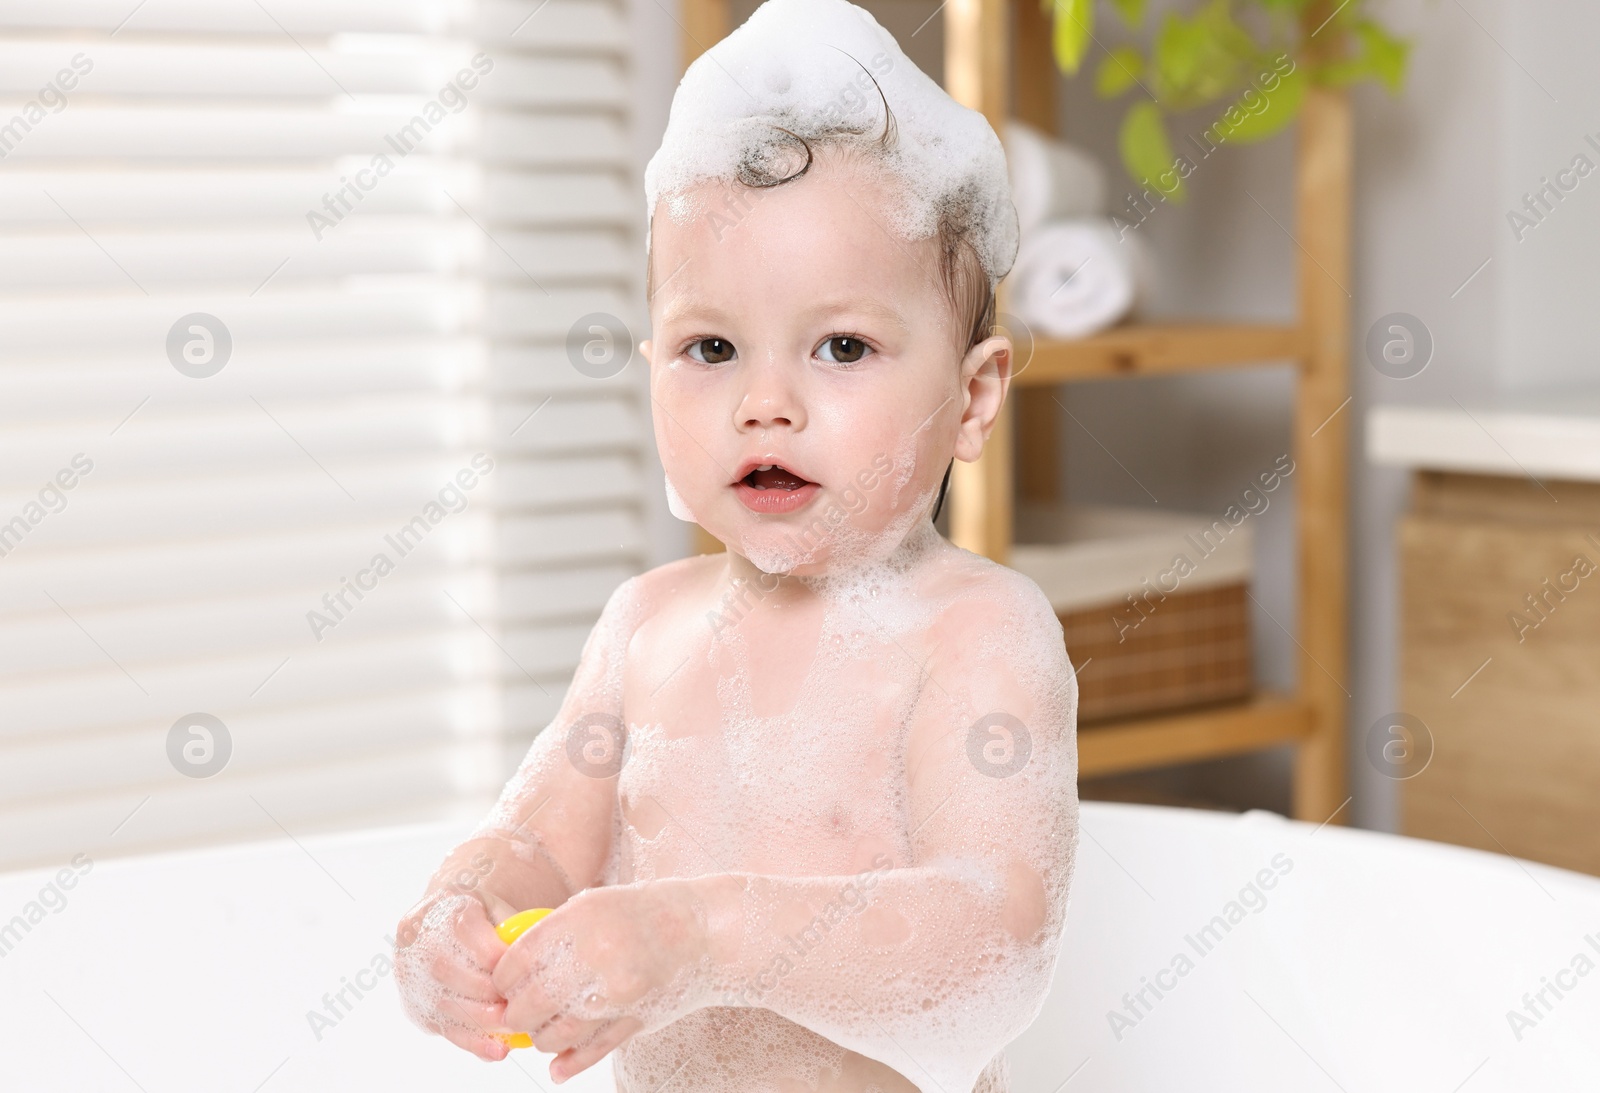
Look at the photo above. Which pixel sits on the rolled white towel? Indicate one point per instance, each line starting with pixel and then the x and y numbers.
pixel 1075 277
pixel 1051 180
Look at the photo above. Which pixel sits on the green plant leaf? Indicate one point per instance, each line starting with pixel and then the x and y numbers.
pixel 1147 153
pixel 1074 24
pixel 1385 55
pixel 1118 72
pixel 1228 49
pixel 1132 11
pixel 1257 115
pixel 1203 58
pixel 1176 56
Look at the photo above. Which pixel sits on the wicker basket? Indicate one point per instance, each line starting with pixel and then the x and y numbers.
pixel 1137 650
pixel 1188 649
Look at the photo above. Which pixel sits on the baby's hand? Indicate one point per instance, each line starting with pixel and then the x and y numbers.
pixel 445 953
pixel 607 964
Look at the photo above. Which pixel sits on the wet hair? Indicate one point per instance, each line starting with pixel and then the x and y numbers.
pixel 788 156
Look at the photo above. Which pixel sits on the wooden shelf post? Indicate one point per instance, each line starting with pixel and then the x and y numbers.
pixel 1321 419
pixel 705 23
pixel 976 49
pixel 1036 444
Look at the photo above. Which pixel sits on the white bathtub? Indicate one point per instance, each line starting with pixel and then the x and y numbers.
pixel 1373 964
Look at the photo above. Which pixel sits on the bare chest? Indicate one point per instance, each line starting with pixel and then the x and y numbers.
pixel 777 758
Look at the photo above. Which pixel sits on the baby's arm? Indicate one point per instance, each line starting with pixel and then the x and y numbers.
pixel 547 837
pixel 552 828
pixel 933 967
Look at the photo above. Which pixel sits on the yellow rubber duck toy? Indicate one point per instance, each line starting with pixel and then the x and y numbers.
pixel 509 930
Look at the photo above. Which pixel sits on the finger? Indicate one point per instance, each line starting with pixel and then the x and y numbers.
pixel 479 1029
pixel 451 972
pixel 565 1031
pixel 476 934
pixel 530 1008
pixel 513 968
pixel 484 1046
pixel 484 1019
pixel 466 1034
pixel 510 967
pixel 499 909
pixel 605 1040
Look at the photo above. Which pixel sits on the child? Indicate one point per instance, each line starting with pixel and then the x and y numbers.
pixel 808 812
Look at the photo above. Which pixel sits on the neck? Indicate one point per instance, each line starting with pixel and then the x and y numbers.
pixel 913 548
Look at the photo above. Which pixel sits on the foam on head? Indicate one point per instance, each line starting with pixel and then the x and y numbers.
pixel 800 72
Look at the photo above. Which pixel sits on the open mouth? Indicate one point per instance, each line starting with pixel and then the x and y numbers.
pixel 774 488
pixel 770 476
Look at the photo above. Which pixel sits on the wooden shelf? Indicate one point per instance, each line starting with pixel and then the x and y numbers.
pixel 979 54
pixel 1208 733
pixel 1161 349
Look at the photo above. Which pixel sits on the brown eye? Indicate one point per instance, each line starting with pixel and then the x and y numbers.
pixel 712 351
pixel 843 349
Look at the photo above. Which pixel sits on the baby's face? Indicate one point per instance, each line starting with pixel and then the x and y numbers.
pixel 809 385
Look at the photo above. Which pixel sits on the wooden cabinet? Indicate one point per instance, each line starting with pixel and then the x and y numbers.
pixel 1501 664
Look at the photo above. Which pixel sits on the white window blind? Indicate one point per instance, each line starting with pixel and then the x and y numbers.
pixel 381 217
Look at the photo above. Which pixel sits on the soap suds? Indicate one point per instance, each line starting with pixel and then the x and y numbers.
pixel 795 793
pixel 676 504
pixel 802 71
pixel 420 957
pixel 858 851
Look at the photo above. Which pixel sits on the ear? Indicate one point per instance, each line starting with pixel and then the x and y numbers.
pixel 985 377
pixel 644 351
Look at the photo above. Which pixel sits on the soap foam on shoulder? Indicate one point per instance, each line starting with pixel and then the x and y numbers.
pixel 804 71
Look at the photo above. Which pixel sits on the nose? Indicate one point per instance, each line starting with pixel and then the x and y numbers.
pixel 769 400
